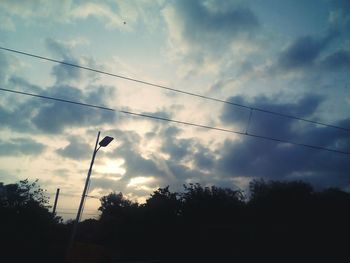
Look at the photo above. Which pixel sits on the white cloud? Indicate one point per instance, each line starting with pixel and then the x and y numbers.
pixel 203 37
pixel 7 24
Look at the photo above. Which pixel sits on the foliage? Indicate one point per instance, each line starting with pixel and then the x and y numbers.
pixel 163 204
pixel 201 223
pixel 210 204
pixel 23 194
pixel 116 206
pixel 25 222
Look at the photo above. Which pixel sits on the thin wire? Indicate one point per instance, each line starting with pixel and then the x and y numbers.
pixel 94 197
pixel 57 99
pixel 182 122
pixel 248 123
pixel 75 209
pixel 172 89
pixel 236 132
pixel 71 213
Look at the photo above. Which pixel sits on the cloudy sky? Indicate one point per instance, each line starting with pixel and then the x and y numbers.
pixel 290 57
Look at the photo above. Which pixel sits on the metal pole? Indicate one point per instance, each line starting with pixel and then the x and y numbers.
pixel 56 199
pixel 76 222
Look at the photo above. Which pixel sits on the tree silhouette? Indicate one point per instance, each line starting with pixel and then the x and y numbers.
pixel 23 195
pixel 25 222
pixel 116 206
pixel 279 221
pixel 211 204
pixel 163 205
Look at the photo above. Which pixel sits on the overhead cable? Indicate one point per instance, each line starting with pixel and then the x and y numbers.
pixel 176 121
pixel 172 89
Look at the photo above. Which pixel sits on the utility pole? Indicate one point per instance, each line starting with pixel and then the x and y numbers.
pixel 106 140
pixel 76 222
pixel 56 199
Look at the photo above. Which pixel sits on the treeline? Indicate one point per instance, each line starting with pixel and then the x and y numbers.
pixel 279 221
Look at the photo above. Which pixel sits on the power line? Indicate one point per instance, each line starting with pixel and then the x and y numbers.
pixel 71 213
pixel 57 99
pixel 94 197
pixel 75 209
pixel 73 195
pixel 172 89
pixel 179 122
pixel 236 132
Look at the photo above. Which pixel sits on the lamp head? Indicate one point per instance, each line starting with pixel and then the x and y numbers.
pixel 105 141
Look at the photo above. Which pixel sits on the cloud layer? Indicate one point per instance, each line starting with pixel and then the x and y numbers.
pixel 224 49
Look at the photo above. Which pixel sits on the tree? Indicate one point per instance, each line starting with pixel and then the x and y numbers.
pixel 25 221
pixel 119 228
pixel 211 204
pixel 116 206
pixel 163 205
pixel 23 194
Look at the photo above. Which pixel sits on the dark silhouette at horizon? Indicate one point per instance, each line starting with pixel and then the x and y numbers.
pixel 280 221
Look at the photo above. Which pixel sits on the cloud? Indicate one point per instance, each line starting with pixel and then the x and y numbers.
pixel 61 172
pixel 9 65
pixel 205 21
pixel 177 149
pixel 303 52
pixel 336 61
pixel 54 117
pixel 26 9
pixel 110 16
pixel 63 73
pixel 266 124
pixel 76 149
pixel 203 158
pixel 7 24
pixel 341 4
pixel 135 164
pixel 21 146
pixel 258 158
pixel 318 54
pixel 66 11
pixel 33 115
pixel 173 169
pixel 200 33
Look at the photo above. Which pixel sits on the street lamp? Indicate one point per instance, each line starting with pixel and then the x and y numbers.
pixel 103 143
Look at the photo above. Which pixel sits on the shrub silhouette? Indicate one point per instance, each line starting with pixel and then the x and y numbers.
pixel 278 221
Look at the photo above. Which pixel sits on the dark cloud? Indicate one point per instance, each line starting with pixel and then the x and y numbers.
pixel 253 157
pixel 203 158
pixel 207 29
pixel 76 149
pixel 264 123
pixel 20 146
pixel 33 114
pixel 135 163
pixel 190 161
pixel 63 72
pixel 336 61
pixel 341 4
pixel 18 119
pixel 54 117
pixel 303 52
pixel 178 149
pixel 160 113
pixel 173 170
pixel 201 20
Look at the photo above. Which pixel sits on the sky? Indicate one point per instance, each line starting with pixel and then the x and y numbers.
pixel 290 57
